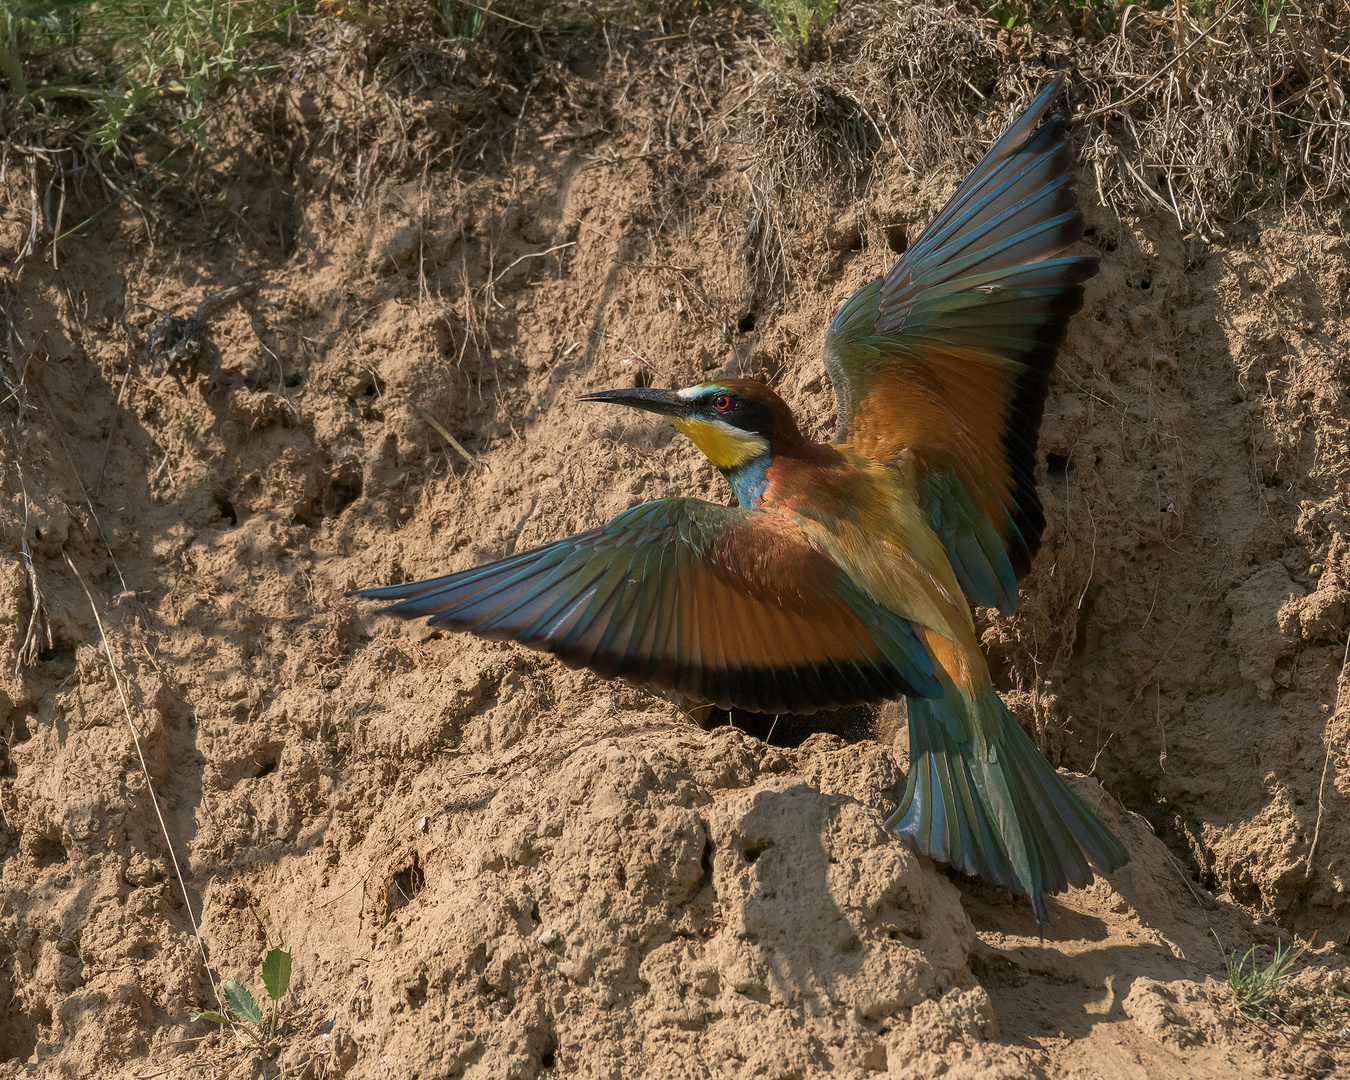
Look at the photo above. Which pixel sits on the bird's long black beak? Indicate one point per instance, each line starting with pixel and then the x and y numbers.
pixel 666 402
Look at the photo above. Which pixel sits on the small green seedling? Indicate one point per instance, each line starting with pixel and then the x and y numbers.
pixel 795 21
pixel 242 1011
pixel 1255 988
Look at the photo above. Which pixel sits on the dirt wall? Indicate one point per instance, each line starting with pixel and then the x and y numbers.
pixel 488 865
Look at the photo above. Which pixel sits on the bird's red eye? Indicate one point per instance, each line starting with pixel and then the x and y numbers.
pixel 722 402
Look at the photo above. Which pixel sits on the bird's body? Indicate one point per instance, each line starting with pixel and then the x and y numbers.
pixel 843 575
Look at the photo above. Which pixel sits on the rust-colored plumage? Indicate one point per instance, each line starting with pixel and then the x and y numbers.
pixel 843 575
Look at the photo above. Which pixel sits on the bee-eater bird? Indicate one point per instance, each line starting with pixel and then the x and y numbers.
pixel 839 579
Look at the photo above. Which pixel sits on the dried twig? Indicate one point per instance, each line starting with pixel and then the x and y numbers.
pixel 173 338
pixel 1326 764
pixel 145 771
pixel 440 430
pixel 39 626
pixel 489 290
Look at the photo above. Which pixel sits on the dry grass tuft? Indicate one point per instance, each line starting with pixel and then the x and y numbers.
pixel 1212 121
pixel 923 73
pixel 460 97
pixel 805 140
pixel 398 96
pixel 1204 117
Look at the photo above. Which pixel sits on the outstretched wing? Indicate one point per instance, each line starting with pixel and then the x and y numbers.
pixel 944 364
pixel 722 604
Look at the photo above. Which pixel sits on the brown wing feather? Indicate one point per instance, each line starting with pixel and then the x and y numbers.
pixel 725 605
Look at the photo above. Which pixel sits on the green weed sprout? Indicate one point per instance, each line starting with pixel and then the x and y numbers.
pixel 1254 988
pixel 241 1009
pixel 794 21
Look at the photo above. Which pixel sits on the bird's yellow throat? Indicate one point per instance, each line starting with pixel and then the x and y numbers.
pixel 725 446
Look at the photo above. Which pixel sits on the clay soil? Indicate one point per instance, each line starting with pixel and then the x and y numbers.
pixel 490 866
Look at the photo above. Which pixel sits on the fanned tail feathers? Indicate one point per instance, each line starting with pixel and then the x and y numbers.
pixel 1000 810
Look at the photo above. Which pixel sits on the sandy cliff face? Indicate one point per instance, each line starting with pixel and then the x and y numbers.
pixel 491 866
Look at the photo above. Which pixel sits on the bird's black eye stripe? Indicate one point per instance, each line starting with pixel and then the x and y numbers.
pixel 722 402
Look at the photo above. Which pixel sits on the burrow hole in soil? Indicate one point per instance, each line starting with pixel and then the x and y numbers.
pixel 755 848
pixel 790 730
pixel 406 884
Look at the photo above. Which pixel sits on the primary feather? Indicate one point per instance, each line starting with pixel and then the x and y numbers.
pixel 663 595
pixel 943 364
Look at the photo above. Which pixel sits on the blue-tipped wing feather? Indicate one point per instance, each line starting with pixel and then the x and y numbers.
pixel 946 360
pixel 660 597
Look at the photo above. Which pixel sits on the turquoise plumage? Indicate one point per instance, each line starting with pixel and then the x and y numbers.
pixel 944 363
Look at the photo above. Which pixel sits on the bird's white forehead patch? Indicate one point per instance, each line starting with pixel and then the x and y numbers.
pixel 691 392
